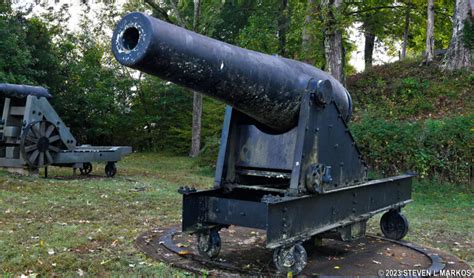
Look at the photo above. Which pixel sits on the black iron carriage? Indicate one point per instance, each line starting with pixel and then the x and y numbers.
pixel 288 163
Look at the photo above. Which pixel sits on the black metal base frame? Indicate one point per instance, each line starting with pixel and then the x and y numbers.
pixel 288 219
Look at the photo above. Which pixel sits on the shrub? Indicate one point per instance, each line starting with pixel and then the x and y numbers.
pixel 431 148
pixel 440 149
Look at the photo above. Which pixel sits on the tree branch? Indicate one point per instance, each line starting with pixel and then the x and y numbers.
pixel 375 9
pixel 161 12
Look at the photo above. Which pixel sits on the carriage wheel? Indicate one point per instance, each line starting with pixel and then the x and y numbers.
pixel 86 169
pixel 110 169
pixel 209 243
pixel 394 225
pixel 40 142
pixel 290 259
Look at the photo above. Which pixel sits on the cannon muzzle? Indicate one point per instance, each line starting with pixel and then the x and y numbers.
pixel 22 91
pixel 266 88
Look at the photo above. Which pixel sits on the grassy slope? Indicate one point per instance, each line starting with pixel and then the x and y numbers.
pixel 90 224
pixel 408 90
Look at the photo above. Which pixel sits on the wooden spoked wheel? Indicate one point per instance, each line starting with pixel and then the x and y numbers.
pixel 40 142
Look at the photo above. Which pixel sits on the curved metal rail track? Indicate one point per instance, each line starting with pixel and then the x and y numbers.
pixel 167 241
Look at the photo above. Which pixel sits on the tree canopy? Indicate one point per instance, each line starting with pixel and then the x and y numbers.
pixel 105 103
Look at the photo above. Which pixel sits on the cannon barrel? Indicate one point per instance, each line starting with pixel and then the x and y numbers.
pixel 22 91
pixel 266 88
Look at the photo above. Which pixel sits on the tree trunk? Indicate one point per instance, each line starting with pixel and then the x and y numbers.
pixel 282 27
pixel 333 41
pixel 369 49
pixel 430 33
pixel 405 34
pixel 197 98
pixel 196 131
pixel 458 55
pixel 307 37
pixel 143 100
pixel 197 14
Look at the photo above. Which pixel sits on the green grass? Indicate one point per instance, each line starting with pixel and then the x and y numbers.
pixel 62 226
pixel 409 90
pixel 441 216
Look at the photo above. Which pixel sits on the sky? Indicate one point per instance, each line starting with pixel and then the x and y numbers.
pixel 380 55
pixel 75 10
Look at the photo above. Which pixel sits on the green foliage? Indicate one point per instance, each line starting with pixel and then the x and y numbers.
pixel 410 117
pixel 26 55
pixel 431 148
pixel 444 10
pixel 87 93
pixel 386 20
pixel 259 33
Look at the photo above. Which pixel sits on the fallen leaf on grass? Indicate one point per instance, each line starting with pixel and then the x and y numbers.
pixel 104 262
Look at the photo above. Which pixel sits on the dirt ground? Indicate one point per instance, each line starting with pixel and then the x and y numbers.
pixel 243 252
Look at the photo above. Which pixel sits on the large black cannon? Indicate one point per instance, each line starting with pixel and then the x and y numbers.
pixel 288 163
pixel 267 88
